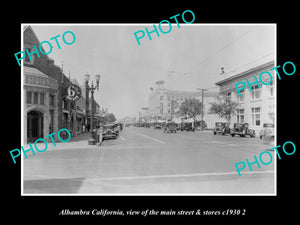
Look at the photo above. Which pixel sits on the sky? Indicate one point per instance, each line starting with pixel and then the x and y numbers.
pixel 186 58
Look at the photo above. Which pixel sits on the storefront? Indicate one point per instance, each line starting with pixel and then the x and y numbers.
pixel 40 104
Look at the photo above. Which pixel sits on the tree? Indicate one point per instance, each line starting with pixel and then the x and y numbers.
pixel 110 118
pixel 191 107
pixel 107 118
pixel 224 108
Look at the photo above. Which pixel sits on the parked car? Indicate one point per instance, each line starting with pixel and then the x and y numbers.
pixel 170 127
pixel 187 126
pixel 157 125
pixel 117 128
pixel 242 130
pixel 200 124
pixel 268 130
pixel 222 128
pixel 109 131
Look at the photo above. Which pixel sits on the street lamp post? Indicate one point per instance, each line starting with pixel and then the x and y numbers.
pixel 91 88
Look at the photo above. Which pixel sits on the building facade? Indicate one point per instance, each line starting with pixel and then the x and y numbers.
pixel 46 109
pixel 40 104
pixel 256 107
pixel 41 92
pixel 165 104
pixel 79 117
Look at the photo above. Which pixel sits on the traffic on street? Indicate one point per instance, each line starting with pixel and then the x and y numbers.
pixel 159 117
pixel 145 160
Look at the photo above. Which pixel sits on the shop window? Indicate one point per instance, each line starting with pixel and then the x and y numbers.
pixel 51 122
pixel 240 115
pixel 35 98
pixel 241 97
pixel 42 98
pixel 255 94
pixel 29 97
pixel 255 114
pixel 51 100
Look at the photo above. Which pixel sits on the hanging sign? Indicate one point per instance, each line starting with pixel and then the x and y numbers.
pixel 73 93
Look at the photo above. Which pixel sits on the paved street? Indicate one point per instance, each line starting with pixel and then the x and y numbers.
pixel 149 161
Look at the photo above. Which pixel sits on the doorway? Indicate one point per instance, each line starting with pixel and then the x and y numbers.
pixel 34 125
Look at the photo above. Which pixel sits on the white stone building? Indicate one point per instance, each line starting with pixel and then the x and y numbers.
pixel 257 106
pixel 165 103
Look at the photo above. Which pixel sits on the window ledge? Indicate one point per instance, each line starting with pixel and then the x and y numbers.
pixel 256 100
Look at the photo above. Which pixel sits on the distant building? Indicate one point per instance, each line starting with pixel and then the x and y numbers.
pixel 165 103
pixel 256 107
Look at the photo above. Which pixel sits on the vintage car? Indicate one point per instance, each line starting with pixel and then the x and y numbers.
pixel 242 130
pixel 187 126
pixel 158 125
pixel 200 125
pixel 170 127
pixel 268 130
pixel 110 131
pixel 222 128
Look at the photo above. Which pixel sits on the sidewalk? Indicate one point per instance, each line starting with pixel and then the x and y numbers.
pixel 79 141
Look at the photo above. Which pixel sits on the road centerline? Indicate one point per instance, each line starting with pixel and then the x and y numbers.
pixel 146 136
pixel 122 138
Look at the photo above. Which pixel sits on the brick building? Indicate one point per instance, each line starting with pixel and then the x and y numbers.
pixel 46 110
pixel 44 88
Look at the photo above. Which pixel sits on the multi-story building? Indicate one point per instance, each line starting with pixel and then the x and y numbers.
pixel 165 104
pixel 257 106
pixel 46 110
pixel 41 91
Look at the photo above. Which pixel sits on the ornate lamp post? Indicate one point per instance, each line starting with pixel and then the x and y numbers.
pixel 91 88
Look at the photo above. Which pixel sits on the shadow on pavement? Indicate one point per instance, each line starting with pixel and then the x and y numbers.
pixel 53 186
pixel 81 137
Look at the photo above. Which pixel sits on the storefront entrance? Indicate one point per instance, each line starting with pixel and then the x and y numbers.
pixel 34 125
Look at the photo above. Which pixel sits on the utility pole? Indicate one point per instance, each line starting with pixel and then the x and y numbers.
pixel 202 108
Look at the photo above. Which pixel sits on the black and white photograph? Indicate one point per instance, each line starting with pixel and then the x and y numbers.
pixel 144 114
pixel 149 109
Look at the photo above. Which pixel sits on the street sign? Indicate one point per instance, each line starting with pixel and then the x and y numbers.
pixel 73 92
